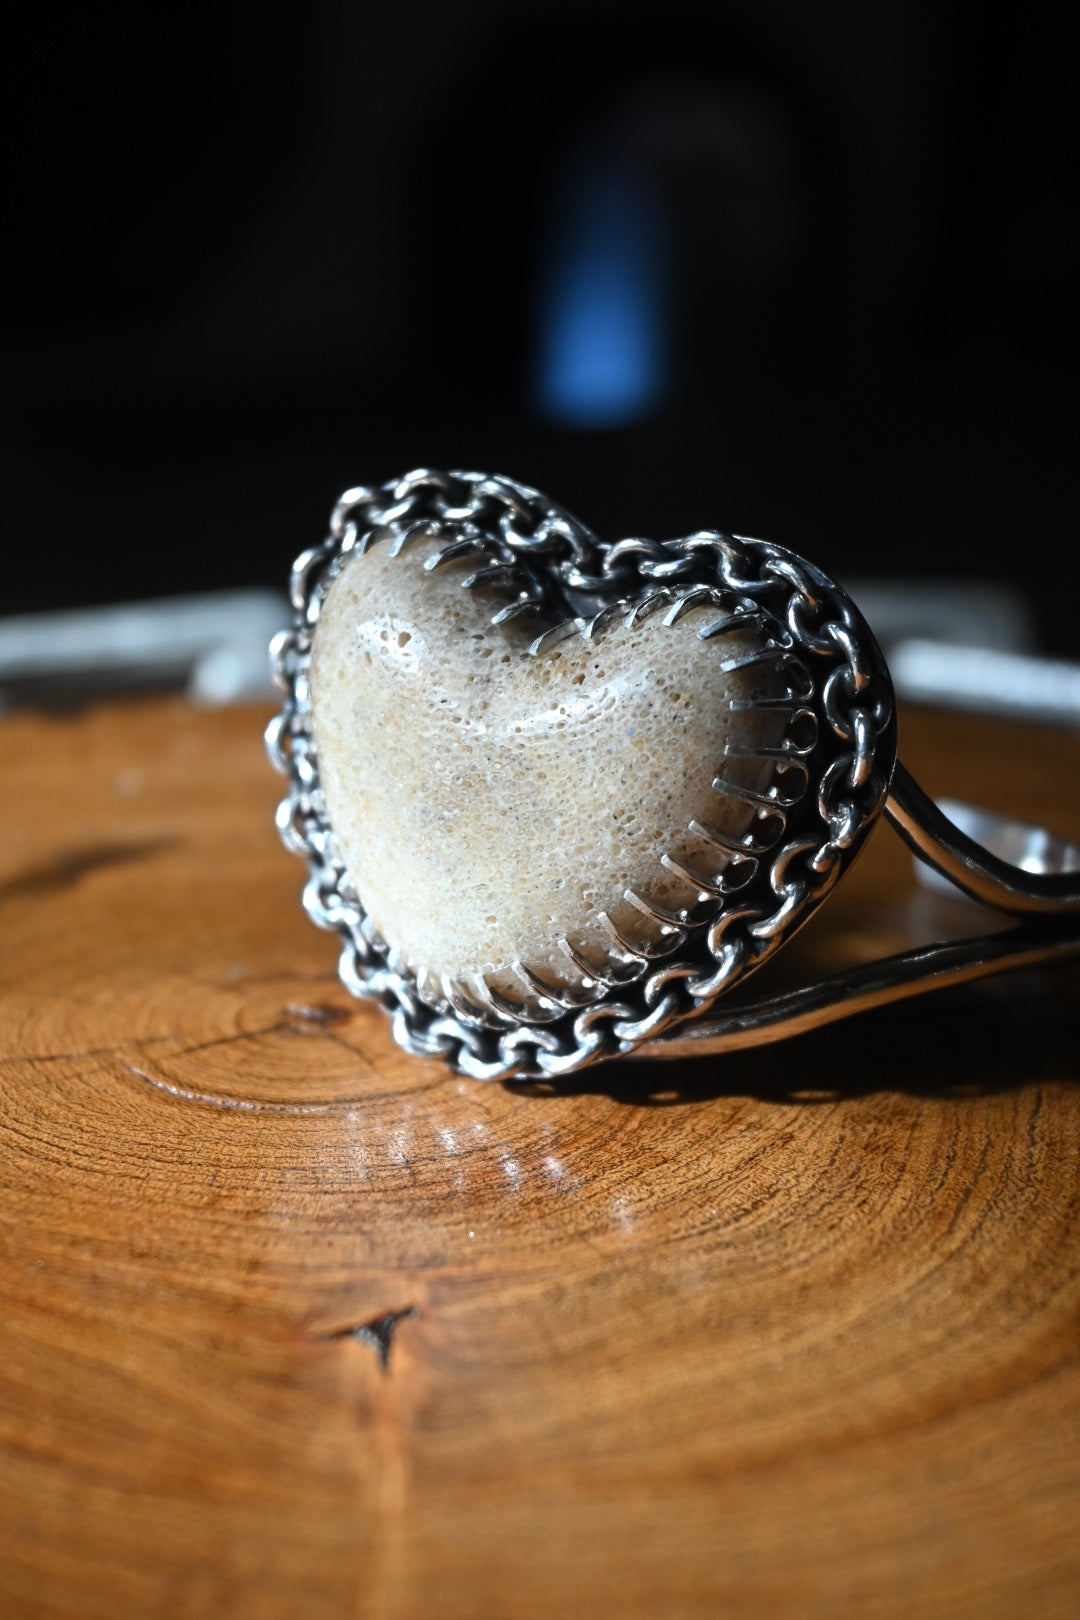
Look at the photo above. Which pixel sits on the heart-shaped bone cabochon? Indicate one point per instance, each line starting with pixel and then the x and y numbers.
pixel 504 815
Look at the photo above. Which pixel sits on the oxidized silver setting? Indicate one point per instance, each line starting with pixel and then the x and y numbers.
pixel 832 769
pixel 836 773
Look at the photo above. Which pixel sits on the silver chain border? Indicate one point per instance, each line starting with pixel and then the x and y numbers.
pixel 544 557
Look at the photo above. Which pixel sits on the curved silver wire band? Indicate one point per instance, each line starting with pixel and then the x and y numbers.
pixel 1047 884
pixel 1044 892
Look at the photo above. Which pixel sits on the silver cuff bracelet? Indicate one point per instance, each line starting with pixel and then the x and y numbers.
pixel 791 690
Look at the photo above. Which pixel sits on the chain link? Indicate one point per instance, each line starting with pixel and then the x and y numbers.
pixel 549 562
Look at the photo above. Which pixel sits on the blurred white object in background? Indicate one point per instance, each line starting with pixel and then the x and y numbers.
pixel 964 612
pixel 985 681
pixel 955 644
pixel 214 645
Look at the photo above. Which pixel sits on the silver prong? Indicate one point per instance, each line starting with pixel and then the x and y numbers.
pixel 749 705
pixel 561 994
pixel 524 604
pixel 668 920
pixel 599 621
pixel 601 975
pixel 467 1010
pixel 430 990
pixel 734 877
pixel 539 987
pixel 787 753
pixel 765 655
pixel 558 632
pixel 687 602
pixel 747 846
pixel 548 1009
pixel 646 607
pixel 706 888
pixel 500 1006
pixel 729 625
pixel 644 950
pixel 774 798
pixel 413 531
pixel 467 546
pixel 490 574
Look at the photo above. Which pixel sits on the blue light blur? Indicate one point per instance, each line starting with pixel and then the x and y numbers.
pixel 603 351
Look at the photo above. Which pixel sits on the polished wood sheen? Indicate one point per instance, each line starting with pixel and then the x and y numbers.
pixel 293 1325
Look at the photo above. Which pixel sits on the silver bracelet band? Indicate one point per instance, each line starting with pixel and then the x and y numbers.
pixel 834 773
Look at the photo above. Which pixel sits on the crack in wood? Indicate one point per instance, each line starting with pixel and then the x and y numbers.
pixel 64 871
pixel 378 1333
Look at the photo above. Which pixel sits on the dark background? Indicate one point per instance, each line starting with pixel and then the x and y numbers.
pixel 258 253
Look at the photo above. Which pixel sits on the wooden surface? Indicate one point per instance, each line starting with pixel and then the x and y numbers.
pixel 293 1325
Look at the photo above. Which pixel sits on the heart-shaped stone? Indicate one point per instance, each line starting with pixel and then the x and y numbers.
pixel 506 815
pixel 542 847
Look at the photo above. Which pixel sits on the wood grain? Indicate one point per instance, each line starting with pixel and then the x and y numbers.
pixel 294 1325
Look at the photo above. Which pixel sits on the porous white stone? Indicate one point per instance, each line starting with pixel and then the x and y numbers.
pixel 488 802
